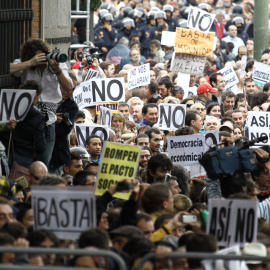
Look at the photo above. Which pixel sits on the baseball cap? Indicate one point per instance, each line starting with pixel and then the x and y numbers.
pixel 204 88
pixel 228 125
pixel 256 249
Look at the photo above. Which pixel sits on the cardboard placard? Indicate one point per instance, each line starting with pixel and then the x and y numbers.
pixel 258 125
pixel 188 63
pixel 15 104
pixel 171 116
pixel 193 42
pixel 261 73
pixel 138 76
pixel 200 20
pixel 230 76
pixel 233 221
pixel 99 90
pixel 111 105
pixel 83 131
pixel 105 116
pixel 119 161
pixel 187 150
pixel 65 211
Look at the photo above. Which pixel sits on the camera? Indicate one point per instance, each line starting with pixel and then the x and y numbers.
pixel 219 163
pixel 58 57
pixel 65 119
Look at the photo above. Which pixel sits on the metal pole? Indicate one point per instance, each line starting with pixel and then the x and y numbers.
pixel 91 26
pixel 261 24
pixel 87 20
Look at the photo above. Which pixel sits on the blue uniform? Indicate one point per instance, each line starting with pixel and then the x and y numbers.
pixel 104 38
pixel 152 33
pixel 144 34
pixel 172 23
pixel 123 33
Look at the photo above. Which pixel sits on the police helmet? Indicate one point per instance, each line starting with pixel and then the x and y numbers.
pixel 102 12
pixel 109 6
pixel 168 8
pixel 237 9
pixel 128 22
pixel 155 9
pixel 81 151
pixel 160 14
pixel 237 20
pixel 126 10
pixel 143 12
pixel 150 16
pixel 182 23
pixel 203 6
pixel 107 17
pixel 134 13
pixel 184 11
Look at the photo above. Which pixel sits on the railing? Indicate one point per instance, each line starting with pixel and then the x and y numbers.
pixel 120 262
pixel 208 256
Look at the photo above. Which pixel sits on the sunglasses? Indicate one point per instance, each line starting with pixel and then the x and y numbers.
pixel 36 177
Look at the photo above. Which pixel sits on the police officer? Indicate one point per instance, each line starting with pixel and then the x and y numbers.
pixel 136 15
pixel 106 34
pixel 144 33
pixel 100 14
pixel 118 23
pixel 128 27
pixel 170 21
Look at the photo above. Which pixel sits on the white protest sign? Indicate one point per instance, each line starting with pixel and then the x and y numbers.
pixel 15 104
pixel 113 106
pixel 188 63
pixel 83 131
pixel 78 98
pixel 243 66
pixel 91 74
pixel 65 211
pixel 171 116
pixel 138 76
pixel 233 221
pixel 225 264
pixel 230 76
pixel 199 19
pixel 168 38
pixel 187 150
pixel 258 124
pixel 183 81
pixel 105 116
pixel 261 73
pixel 100 90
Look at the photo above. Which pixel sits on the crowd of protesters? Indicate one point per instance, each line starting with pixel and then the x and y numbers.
pixel 45 147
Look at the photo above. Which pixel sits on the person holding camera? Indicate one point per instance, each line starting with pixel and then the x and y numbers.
pixel 35 65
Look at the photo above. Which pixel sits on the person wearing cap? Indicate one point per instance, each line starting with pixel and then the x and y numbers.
pixel 232 37
pixel 205 94
pixel 255 249
pixel 228 127
pixel 106 34
pixel 128 29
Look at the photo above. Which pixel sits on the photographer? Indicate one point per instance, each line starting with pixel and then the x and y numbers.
pixel 34 65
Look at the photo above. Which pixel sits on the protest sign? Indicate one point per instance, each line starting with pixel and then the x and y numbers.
pixel 65 211
pixel 168 38
pixel 138 76
pixel 83 131
pixel 119 161
pixel 99 90
pixel 110 105
pixel 105 116
pixel 261 73
pixel 232 221
pixel 194 42
pixel 91 74
pixel 15 104
pixel 188 63
pixel 171 116
pixel 186 150
pixel 258 124
pixel 243 66
pixel 230 76
pixel 199 19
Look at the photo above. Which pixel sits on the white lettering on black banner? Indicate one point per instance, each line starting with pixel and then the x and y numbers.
pixel 171 116
pixel 65 211
pixel 15 104
pixel 83 131
pixel 233 221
